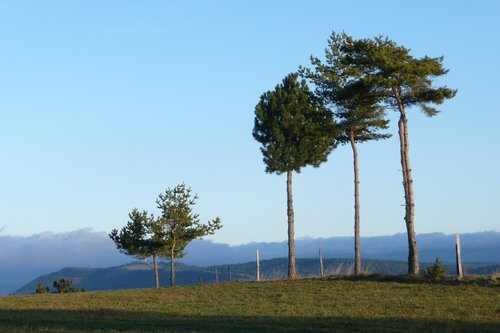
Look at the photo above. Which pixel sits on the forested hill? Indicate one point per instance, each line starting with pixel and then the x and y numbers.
pixel 476 247
pixel 25 259
pixel 140 275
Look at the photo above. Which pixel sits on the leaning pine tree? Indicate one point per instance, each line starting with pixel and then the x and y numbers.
pixel 295 130
pixel 354 105
pixel 401 82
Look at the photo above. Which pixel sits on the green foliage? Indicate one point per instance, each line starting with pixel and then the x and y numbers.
pixel 359 117
pixel 380 71
pixel 292 306
pixel 398 79
pixel 41 289
pixel 436 271
pixel 293 127
pixel 170 233
pixel 178 225
pixel 64 286
pixel 353 102
pixel 136 238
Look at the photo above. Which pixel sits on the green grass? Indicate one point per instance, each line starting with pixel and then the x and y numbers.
pixel 283 306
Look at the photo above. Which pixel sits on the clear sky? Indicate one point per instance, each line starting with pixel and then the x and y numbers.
pixel 104 104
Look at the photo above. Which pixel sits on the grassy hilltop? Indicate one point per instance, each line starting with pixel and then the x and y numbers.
pixel 282 306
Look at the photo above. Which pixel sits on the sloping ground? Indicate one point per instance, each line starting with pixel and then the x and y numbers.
pixel 280 306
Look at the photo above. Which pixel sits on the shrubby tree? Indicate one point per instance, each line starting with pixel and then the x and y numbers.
pixel 354 105
pixel 178 225
pixel 63 286
pixel 294 130
pixel 139 239
pixel 41 289
pixel 436 271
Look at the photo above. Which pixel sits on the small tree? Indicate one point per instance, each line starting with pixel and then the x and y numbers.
pixel 139 239
pixel 354 105
pixel 41 289
pixel 295 130
pixel 63 285
pixel 436 271
pixel 178 225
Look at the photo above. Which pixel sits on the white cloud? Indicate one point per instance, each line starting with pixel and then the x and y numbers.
pixel 24 258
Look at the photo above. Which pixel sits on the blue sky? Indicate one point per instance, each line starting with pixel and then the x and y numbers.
pixel 104 104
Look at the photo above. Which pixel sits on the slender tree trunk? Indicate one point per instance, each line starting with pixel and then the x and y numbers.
pixel 292 273
pixel 155 265
pixel 413 264
pixel 172 269
pixel 357 236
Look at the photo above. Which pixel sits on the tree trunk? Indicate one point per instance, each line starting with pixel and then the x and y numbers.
pixel 292 274
pixel 172 269
pixel 155 265
pixel 413 265
pixel 357 236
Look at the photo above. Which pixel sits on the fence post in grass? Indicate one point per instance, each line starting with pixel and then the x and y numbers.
pixel 320 262
pixel 216 275
pixel 460 273
pixel 229 272
pixel 257 265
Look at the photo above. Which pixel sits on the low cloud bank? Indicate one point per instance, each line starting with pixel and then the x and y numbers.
pixel 24 258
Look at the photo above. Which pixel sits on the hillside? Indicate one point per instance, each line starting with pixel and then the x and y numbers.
pixel 476 247
pixel 134 275
pixel 26 258
pixel 281 306
pixel 140 275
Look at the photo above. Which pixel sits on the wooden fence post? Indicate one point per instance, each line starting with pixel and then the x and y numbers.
pixel 229 272
pixel 216 275
pixel 257 265
pixel 460 273
pixel 320 262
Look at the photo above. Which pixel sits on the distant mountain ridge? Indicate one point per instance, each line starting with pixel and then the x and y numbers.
pixel 24 258
pixel 476 247
pixel 140 274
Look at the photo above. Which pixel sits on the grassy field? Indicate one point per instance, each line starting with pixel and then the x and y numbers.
pixel 283 306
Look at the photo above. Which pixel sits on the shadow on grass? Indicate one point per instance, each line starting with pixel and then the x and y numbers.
pixel 121 321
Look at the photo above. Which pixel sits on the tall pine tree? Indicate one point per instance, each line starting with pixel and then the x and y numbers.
pixel 400 82
pixel 294 130
pixel 354 106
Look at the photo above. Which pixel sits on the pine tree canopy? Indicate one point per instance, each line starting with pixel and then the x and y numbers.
pixel 359 116
pixel 293 127
pixel 353 101
pixel 136 238
pixel 398 76
pixel 178 224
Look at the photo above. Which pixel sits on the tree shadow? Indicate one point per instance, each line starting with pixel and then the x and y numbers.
pixel 39 320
